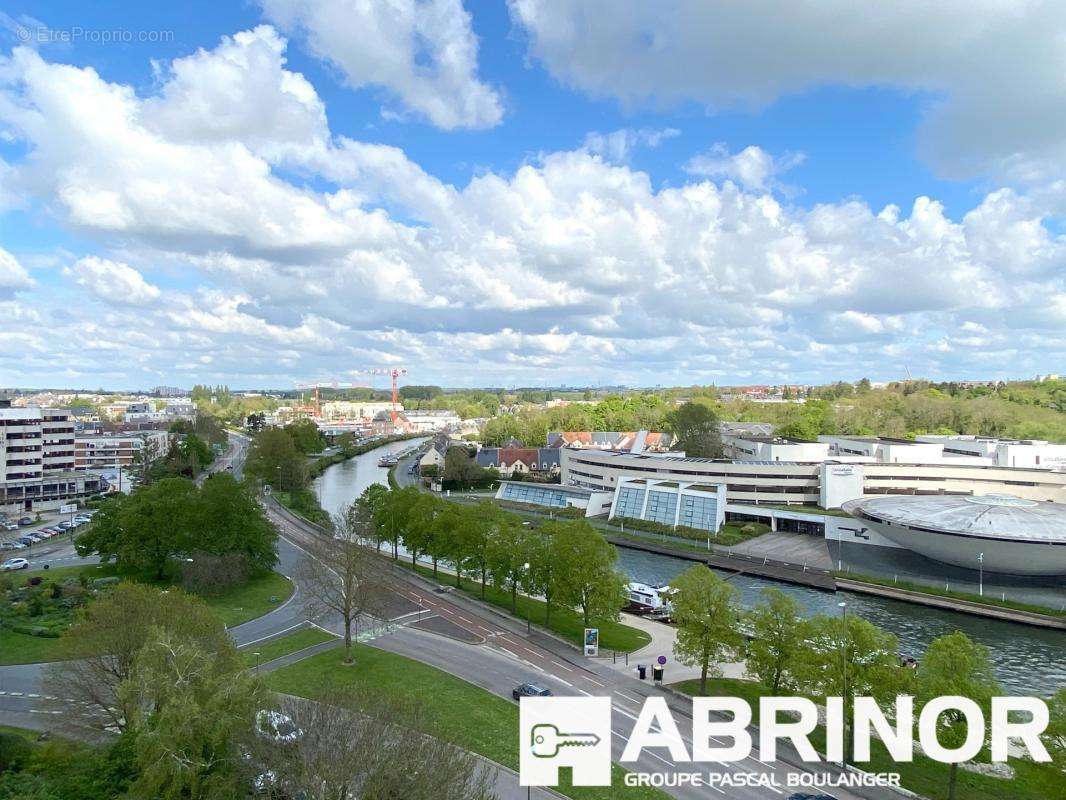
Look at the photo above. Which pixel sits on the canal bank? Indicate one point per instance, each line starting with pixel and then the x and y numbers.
pixel 1027 660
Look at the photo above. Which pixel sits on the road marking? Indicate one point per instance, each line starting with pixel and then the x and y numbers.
pixel 271 636
pixel 594 681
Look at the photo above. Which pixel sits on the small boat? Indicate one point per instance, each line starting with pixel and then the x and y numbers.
pixel 387 461
pixel 650 600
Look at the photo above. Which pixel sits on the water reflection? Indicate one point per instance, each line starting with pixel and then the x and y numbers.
pixel 1027 660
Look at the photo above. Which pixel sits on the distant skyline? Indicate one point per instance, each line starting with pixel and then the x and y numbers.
pixel 518 193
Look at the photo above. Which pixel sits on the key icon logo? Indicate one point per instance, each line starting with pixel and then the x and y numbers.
pixel 546 740
pixel 572 732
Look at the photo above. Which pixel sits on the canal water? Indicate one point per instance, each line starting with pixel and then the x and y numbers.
pixel 340 485
pixel 1027 660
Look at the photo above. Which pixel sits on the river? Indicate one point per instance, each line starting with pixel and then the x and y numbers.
pixel 1027 660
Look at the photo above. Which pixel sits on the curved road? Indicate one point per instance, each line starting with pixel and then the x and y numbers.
pixel 460 636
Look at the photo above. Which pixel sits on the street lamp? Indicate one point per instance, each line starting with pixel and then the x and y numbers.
pixel 529 610
pixel 256 654
pixel 844 663
pixel 981 574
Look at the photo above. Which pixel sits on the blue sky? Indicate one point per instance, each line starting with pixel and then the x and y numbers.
pixel 529 192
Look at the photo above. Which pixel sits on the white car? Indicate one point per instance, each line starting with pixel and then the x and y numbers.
pixel 13 564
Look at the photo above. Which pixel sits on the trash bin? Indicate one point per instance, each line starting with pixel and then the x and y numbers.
pixel 657 674
pixel 642 671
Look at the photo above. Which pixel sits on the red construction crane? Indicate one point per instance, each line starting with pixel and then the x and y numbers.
pixel 394 373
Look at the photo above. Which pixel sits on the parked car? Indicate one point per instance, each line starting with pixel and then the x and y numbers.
pixel 29 538
pixel 13 564
pixel 11 526
pixel 64 526
pixel 530 690
pixel 26 521
pixel 8 546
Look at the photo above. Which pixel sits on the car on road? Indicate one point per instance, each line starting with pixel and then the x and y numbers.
pixel 530 690
pixel 13 564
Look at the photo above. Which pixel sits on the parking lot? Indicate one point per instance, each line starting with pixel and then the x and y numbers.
pixel 21 535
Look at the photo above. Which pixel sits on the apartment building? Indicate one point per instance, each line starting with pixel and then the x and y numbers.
pixel 116 450
pixel 37 459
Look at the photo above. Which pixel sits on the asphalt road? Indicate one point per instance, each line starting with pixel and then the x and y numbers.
pixel 456 634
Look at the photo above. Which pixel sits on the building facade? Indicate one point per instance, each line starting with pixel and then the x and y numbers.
pixel 37 459
pixel 827 484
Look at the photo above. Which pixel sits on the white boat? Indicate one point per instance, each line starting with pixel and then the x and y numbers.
pixel 652 600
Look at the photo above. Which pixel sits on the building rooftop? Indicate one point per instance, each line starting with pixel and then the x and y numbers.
pixel 987 516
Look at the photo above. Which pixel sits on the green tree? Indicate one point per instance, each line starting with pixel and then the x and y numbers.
pixel 777 634
pixel 696 427
pixel 227 520
pixel 510 556
pixel 588 576
pixel 418 523
pixel 108 633
pixel 848 657
pixel 547 571
pixel 953 664
pixel 306 436
pixel 195 451
pixel 707 618
pixel 189 708
pixel 274 460
pixel 144 530
pixel 490 521
pixel 1055 735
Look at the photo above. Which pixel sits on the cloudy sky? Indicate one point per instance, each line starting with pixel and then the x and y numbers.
pixel 531 192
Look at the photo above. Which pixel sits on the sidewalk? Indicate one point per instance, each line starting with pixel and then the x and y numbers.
pixel 663 637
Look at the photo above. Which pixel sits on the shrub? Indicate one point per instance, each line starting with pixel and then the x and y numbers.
pixel 13 751
pixel 209 574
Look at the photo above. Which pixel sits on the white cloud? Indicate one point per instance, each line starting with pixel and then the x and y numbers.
pixel 574 267
pixel 753 168
pixel 424 53
pixel 13 276
pixel 113 281
pixel 991 70
pixel 618 146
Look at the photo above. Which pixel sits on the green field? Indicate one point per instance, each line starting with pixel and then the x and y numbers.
pixel 565 622
pixel 283 645
pixel 923 775
pixel 457 711
pixel 255 598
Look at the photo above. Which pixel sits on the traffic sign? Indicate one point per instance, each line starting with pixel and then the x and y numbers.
pixel 661 660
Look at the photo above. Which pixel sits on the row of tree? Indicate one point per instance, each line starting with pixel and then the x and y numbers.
pixel 161 525
pixel 830 656
pixel 1020 410
pixel 568 563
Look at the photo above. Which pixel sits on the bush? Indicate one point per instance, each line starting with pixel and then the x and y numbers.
pixel 13 751
pixel 100 583
pixel 208 574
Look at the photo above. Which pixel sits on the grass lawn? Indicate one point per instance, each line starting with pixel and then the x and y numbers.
pixel 283 645
pixel 254 599
pixel 257 597
pixel 565 622
pixel 457 711
pixel 923 775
